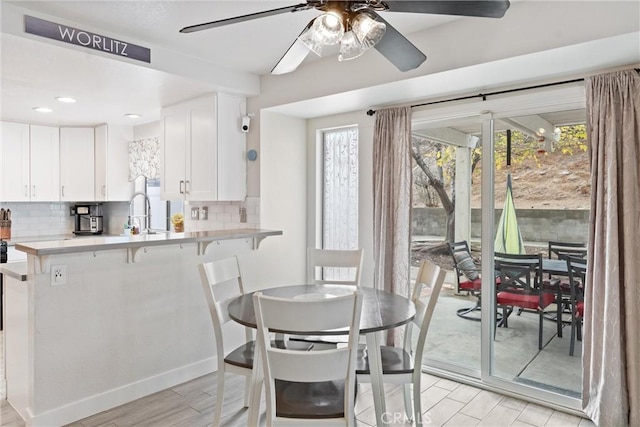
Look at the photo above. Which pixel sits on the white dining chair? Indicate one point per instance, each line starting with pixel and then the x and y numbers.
pixel 314 387
pixel 341 266
pixel 403 365
pixel 218 276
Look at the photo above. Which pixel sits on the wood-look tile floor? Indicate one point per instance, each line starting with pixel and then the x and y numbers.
pixel 444 403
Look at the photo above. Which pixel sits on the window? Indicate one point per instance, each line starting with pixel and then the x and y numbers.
pixel 339 191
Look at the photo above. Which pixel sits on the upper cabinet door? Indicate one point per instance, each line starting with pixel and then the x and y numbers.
pixel 202 152
pixel 77 164
pixel 202 149
pixel 14 162
pixel 112 163
pixel 45 163
pixel 174 135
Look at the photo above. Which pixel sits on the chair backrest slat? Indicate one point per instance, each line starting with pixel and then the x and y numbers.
pixel 521 271
pixel 334 266
pixel 561 250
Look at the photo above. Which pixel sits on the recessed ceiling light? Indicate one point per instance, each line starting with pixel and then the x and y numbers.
pixel 133 116
pixel 66 99
pixel 43 109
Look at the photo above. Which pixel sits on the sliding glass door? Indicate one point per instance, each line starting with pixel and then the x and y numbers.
pixel 526 158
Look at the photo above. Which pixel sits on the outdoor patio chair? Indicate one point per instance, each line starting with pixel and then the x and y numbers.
pixel 577 269
pixel 562 250
pixel 467 276
pixel 521 285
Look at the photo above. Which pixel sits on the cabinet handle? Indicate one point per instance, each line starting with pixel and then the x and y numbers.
pixel 181 187
pixel 104 190
pixel 186 188
pixel 63 191
pixel 34 191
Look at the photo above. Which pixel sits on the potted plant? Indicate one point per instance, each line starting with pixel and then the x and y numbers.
pixel 178 222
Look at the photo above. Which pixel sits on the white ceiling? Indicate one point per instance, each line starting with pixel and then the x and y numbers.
pixel 34 72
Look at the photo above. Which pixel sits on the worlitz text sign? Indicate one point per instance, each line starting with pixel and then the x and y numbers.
pixel 66 34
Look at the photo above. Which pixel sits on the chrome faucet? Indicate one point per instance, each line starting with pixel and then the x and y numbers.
pixel 147 211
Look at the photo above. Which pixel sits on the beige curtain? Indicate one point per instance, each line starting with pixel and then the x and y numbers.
pixel 611 355
pixel 392 180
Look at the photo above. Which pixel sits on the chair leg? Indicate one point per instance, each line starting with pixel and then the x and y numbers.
pixel 417 407
pixel 462 312
pixel 559 319
pixel 540 330
pixel 580 329
pixel 408 400
pixel 247 391
pixel 217 413
pixel 572 343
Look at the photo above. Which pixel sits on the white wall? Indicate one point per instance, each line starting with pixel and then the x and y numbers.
pixel 281 259
pixel 147 130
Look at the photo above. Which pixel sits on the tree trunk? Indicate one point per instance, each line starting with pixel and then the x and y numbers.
pixel 437 184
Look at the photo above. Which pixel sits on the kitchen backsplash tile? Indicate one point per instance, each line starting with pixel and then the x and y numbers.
pixel 31 219
pixel 224 215
pixel 39 219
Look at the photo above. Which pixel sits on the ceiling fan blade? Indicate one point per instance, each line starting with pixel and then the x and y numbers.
pixel 480 8
pixel 242 18
pixel 294 56
pixel 397 49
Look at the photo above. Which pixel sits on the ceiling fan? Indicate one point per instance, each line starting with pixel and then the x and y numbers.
pixel 357 26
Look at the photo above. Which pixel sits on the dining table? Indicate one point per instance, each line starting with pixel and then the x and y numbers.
pixel 381 311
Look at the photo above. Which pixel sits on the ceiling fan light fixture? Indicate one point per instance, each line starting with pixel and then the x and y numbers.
pixel 328 28
pixel 367 30
pixel 312 41
pixel 350 47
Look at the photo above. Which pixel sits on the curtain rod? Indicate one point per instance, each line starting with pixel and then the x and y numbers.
pixel 500 92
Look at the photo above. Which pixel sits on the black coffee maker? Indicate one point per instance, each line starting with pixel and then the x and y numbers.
pixel 88 219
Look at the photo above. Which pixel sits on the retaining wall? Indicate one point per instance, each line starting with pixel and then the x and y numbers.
pixel 536 225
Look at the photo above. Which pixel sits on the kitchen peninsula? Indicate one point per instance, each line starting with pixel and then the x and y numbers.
pixel 102 321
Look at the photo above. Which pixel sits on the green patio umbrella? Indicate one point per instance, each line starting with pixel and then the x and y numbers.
pixel 508 237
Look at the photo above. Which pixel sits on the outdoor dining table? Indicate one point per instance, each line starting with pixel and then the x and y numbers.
pixel 381 310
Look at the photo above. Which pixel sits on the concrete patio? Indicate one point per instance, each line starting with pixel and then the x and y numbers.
pixel 456 340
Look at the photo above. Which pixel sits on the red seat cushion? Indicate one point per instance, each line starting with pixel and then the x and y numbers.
pixel 580 309
pixel 471 285
pixel 530 301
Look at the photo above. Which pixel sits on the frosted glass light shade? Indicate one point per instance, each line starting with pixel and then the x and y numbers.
pixel 350 47
pixel 367 30
pixel 310 40
pixel 329 28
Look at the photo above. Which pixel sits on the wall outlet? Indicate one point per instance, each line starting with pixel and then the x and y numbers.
pixel 204 213
pixel 195 213
pixel 58 275
pixel 243 214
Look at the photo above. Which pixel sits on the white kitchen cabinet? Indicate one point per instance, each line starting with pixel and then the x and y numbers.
pixel 14 159
pixel 45 163
pixel 77 153
pixel 203 149
pixel 29 156
pixel 112 163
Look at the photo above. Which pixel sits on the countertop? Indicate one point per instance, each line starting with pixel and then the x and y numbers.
pixel 101 243
pixel 15 270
